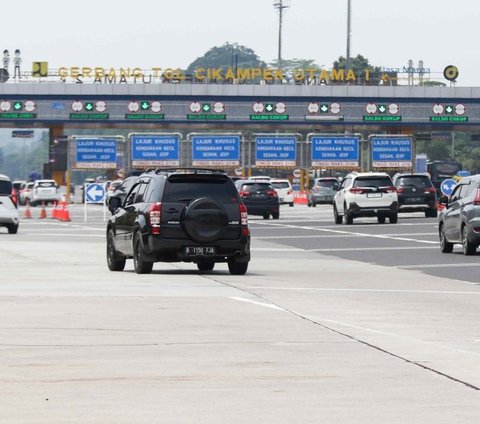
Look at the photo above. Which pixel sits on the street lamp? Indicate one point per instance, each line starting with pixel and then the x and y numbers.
pixel 280 5
pixel 349 34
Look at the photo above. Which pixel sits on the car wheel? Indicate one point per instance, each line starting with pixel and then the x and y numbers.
pixel 12 229
pixel 469 248
pixel 205 265
pixel 237 268
pixel 266 216
pixel 381 219
pixel 115 262
pixel 314 204
pixel 393 218
pixel 445 246
pixel 291 205
pixel 431 213
pixel 275 215
pixel 348 218
pixel 309 204
pixel 140 264
pixel 338 218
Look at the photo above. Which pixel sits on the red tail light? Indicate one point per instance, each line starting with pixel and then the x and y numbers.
pixel 272 193
pixel 290 191
pixel 243 214
pixel 14 197
pixel 356 190
pixel 316 189
pixel 400 189
pixel 154 217
pixel 430 190
pixel 391 189
pixel 244 193
pixel 476 201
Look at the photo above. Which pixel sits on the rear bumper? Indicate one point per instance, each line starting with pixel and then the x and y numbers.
pixel 321 198
pixel 172 250
pixel 355 210
pixel 261 208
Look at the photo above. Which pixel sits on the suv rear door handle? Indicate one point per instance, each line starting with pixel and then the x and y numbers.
pixel 172 210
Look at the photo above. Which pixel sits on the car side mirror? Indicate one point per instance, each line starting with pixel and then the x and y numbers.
pixel 114 203
pixel 443 200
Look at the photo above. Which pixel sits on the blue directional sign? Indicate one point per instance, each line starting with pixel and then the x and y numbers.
pixel 335 151
pixel 96 153
pixel 275 151
pixel 216 150
pixel 95 193
pixel 448 186
pixel 391 152
pixel 155 150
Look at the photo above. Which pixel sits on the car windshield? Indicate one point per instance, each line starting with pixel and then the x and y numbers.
pixel 372 182
pixel 185 189
pixel 280 184
pixel 414 181
pixel 5 188
pixel 254 187
pixel 46 184
pixel 328 183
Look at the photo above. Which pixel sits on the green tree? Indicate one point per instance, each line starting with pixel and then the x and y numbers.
pixel 230 55
pixel 359 64
pixel 295 63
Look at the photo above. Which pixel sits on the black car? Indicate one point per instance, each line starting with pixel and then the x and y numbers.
pixel 259 197
pixel 186 215
pixel 416 193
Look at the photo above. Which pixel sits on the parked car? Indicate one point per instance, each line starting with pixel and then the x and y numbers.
pixel 9 216
pixel 416 193
pixel 259 197
pixel 284 191
pixel 184 216
pixel 322 190
pixel 459 222
pixel 44 191
pixel 366 194
pixel 26 193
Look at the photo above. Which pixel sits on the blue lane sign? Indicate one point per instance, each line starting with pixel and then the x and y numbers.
pixel 448 186
pixel 275 151
pixel 335 151
pixel 93 153
pixel 155 150
pixel 216 150
pixel 392 152
pixel 95 193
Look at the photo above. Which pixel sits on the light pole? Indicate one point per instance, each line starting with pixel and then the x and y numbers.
pixel 280 5
pixel 349 34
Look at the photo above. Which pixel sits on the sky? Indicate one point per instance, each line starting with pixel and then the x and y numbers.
pixel 160 33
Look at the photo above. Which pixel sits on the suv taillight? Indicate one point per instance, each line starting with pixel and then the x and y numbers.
pixel 476 200
pixel 272 193
pixel 154 217
pixel 391 189
pixel 14 197
pixel 356 190
pixel 430 190
pixel 243 214
pixel 244 193
pixel 400 189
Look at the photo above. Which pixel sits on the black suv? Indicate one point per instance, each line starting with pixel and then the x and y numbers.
pixel 416 193
pixel 182 215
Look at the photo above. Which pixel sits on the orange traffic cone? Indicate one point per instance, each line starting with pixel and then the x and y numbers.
pixel 64 213
pixel 27 214
pixel 54 212
pixel 43 212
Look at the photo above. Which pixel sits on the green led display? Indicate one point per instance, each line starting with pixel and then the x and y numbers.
pixel 144 116
pixel 269 117
pixel 87 116
pixel 17 115
pixel 206 117
pixel 369 118
pixel 448 118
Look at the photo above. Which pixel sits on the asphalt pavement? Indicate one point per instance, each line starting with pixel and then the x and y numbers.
pixel 364 323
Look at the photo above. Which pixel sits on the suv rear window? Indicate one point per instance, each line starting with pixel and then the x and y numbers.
pixel 184 189
pixel 254 187
pixel 280 185
pixel 5 188
pixel 414 181
pixel 372 182
pixel 46 184
pixel 328 183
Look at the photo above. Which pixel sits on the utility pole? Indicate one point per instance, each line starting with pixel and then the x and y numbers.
pixel 349 34
pixel 280 5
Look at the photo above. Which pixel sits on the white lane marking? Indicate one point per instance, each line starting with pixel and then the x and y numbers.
pixel 61 235
pixel 265 305
pixel 337 236
pixel 366 249
pixel 459 265
pixel 333 289
pixel 351 233
pixel 274 249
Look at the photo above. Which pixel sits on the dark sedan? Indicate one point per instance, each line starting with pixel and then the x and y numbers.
pixel 259 197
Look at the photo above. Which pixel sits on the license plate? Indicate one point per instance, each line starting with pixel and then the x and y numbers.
pixel 377 195
pixel 200 251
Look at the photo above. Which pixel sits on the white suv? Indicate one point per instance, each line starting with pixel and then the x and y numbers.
pixel 366 194
pixel 44 191
pixel 284 190
pixel 8 206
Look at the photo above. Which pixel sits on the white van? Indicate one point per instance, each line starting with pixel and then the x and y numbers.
pixel 8 206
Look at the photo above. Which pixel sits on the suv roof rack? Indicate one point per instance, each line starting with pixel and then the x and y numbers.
pixel 186 170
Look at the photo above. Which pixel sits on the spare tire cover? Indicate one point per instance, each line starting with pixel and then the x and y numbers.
pixel 205 220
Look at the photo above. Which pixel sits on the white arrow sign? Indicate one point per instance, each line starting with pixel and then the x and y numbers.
pixel 95 193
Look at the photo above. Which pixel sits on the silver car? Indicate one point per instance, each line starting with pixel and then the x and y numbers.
pixel 322 190
pixel 459 222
